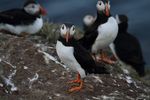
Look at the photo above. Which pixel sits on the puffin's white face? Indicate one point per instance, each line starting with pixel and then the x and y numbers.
pixel 34 9
pixel 88 20
pixel 100 6
pixel 67 32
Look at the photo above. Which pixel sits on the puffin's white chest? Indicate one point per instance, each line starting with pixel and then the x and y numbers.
pixel 67 57
pixel 31 29
pixel 107 33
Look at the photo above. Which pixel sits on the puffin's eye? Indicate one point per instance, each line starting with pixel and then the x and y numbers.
pixel 33 6
pixel 100 3
pixel 73 29
pixel 63 27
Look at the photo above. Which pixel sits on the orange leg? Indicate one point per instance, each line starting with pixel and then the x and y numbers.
pixel 78 80
pixel 105 58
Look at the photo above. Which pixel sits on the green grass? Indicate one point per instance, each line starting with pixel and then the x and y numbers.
pixel 50 32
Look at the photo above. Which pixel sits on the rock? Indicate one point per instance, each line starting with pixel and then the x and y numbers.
pixel 31 70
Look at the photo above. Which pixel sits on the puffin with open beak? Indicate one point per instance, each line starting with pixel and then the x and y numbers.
pixel 76 57
pixel 27 20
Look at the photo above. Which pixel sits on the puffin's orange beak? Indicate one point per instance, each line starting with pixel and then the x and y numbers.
pixel 43 11
pixel 107 10
pixel 67 36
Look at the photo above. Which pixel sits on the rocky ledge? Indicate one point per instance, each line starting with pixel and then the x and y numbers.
pixel 31 70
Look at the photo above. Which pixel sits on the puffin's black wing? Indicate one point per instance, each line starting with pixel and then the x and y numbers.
pixel 86 61
pixel 101 19
pixel 16 17
pixel 88 40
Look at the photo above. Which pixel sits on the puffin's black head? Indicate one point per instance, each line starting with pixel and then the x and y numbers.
pixel 122 21
pixel 33 8
pixel 103 7
pixel 67 31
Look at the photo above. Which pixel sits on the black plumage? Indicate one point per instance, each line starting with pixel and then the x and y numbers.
pixel 17 17
pixel 91 33
pixel 101 19
pixel 88 39
pixel 128 48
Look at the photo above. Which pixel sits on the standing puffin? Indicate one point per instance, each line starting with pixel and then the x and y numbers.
pixel 90 25
pixel 127 47
pixel 23 21
pixel 104 35
pixel 107 32
pixel 76 57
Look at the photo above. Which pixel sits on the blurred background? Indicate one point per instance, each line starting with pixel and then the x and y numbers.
pixel 73 11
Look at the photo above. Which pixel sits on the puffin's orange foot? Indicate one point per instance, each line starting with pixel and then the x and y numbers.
pixel 76 80
pixel 105 59
pixel 77 88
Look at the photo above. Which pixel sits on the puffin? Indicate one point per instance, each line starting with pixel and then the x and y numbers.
pixel 107 33
pixel 90 25
pixel 25 21
pixel 75 56
pixel 127 47
pixel 102 36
